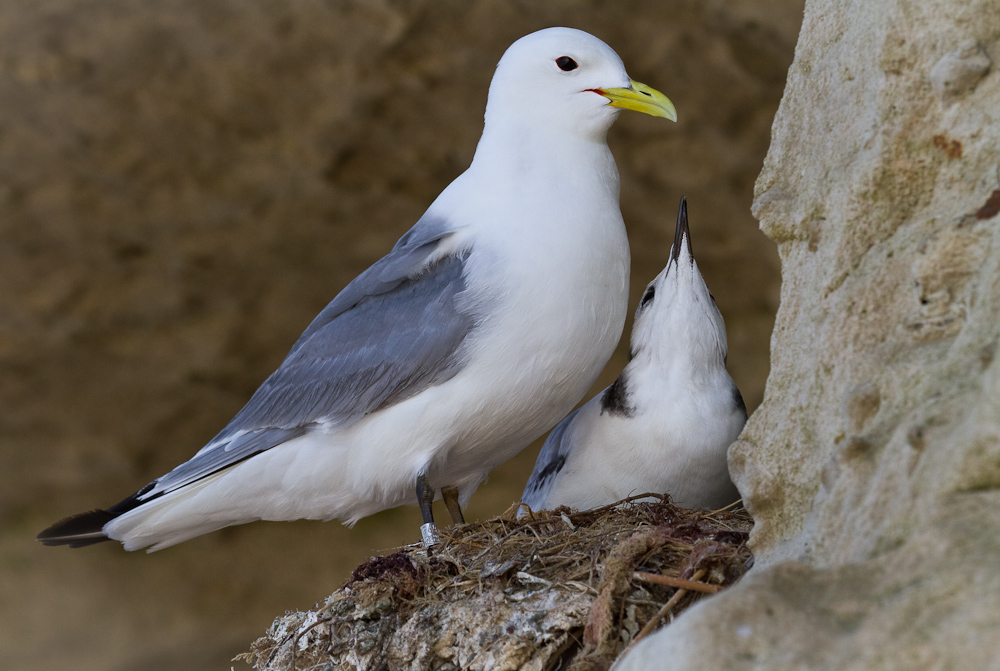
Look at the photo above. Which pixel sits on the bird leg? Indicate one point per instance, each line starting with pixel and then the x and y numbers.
pixel 450 496
pixel 425 499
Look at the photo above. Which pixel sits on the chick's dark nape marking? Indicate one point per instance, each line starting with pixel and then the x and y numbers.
pixel 614 400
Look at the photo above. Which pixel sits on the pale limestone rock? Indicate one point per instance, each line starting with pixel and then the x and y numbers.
pixel 872 468
pixel 853 617
pixel 959 71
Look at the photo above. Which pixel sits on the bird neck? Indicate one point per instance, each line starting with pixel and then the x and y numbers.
pixel 680 359
pixel 517 147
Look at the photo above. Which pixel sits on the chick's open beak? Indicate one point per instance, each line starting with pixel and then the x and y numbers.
pixel 640 98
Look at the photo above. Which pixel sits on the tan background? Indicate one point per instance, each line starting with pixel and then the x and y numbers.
pixel 184 184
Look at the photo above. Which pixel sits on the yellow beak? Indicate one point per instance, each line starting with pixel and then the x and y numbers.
pixel 640 98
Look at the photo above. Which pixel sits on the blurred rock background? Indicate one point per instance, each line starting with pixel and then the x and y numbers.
pixel 184 184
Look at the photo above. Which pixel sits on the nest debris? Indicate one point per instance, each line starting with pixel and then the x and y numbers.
pixel 555 589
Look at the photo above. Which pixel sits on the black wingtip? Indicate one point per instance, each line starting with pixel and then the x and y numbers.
pixel 78 531
pixel 681 233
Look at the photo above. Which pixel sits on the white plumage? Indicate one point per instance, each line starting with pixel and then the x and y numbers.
pixel 666 423
pixel 485 324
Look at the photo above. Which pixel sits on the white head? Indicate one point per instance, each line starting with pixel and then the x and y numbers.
pixel 561 79
pixel 677 322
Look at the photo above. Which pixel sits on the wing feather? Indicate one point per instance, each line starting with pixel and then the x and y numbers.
pixel 550 462
pixel 394 331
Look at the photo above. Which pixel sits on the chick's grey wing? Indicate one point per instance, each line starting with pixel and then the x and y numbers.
pixel 387 336
pixel 550 463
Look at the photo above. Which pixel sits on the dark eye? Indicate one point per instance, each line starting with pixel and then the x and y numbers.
pixel 648 296
pixel 566 63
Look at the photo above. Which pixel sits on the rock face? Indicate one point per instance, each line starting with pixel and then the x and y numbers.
pixel 872 468
pixel 185 183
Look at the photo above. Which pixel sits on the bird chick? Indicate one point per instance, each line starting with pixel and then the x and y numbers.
pixel 666 423
pixel 482 327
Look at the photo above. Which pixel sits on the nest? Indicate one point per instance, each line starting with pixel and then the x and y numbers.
pixel 548 590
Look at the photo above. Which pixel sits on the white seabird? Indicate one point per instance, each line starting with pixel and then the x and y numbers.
pixel 483 326
pixel 666 423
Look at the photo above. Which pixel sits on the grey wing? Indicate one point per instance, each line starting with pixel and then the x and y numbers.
pixel 408 255
pixel 394 331
pixel 550 463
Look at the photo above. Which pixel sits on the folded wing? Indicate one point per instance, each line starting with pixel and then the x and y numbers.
pixel 391 333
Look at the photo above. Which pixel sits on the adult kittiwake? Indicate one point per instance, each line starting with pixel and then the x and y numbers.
pixel 666 423
pixel 484 325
